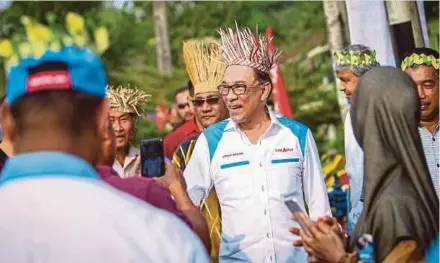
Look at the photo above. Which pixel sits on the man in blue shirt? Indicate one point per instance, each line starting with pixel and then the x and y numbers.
pixel 54 208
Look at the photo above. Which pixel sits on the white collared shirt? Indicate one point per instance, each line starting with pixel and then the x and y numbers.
pixel 252 182
pixel 430 143
pixel 354 167
pixel 129 169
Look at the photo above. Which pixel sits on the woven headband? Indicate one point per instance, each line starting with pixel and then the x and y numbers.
pixel 420 59
pixel 352 58
pixel 127 100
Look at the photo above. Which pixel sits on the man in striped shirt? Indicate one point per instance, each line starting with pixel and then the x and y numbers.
pixel 422 65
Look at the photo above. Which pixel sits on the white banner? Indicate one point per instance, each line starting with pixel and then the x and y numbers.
pixel 369 26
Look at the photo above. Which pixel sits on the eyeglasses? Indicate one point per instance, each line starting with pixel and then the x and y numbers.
pixel 237 89
pixel 210 101
pixel 182 106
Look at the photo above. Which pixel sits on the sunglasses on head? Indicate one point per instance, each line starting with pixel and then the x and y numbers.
pixel 182 106
pixel 210 101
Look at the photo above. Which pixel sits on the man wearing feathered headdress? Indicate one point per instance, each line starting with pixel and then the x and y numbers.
pixel 202 61
pixel 125 106
pixel 255 160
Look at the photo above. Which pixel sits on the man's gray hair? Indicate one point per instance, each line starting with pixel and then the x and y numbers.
pixel 360 69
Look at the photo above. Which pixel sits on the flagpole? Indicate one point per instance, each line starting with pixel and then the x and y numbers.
pixel 280 97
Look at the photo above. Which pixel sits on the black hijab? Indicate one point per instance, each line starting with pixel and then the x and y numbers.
pixel 400 202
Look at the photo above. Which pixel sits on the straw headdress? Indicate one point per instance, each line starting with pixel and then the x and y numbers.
pixel 243 48
pixel 203 65
pixel 127 100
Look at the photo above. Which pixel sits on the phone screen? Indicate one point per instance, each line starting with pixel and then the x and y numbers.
pixel 152 158
pixel 295 209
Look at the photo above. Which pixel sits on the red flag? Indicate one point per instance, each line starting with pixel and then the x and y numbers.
pixel 161 116
pixel 280 98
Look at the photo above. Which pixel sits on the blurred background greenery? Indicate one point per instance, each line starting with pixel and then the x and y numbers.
pixel 299 27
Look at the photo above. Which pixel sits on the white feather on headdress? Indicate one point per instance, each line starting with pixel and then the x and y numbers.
pixel 243 48
pixel 126 99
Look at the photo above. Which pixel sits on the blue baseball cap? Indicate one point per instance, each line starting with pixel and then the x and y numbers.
pixel 82 71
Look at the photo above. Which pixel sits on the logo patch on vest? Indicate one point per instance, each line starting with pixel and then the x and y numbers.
pixel 284 150
pixel 232 155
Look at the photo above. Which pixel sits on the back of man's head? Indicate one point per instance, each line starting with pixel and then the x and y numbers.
pixel 57 103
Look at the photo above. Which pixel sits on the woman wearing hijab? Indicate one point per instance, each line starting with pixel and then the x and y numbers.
pixel 401 211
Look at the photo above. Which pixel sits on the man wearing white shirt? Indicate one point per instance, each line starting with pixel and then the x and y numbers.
pixel 351 63
pixel 256 160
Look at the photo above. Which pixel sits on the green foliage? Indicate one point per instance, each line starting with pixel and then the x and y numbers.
pixel 432 20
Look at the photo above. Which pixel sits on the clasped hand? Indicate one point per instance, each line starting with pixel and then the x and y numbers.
pixel 327 243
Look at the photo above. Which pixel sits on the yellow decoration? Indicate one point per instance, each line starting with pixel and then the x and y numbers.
pixel 25 20
pixel 80 40
pixel 38 48
pixel 101 39
pixel 39 32
pixel 25 50
pixel 11 62
pixel 55 46
pixel 74 23
pixel 6 49
pixel 67 40
pixel 39 38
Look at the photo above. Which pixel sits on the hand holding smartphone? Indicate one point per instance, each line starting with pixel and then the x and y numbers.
pixel 295 209
pixel 152 158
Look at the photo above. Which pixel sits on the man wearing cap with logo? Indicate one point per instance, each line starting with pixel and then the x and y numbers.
pixel 422 65
pixel 54 206
pixel 125 106
pixel 255 160
pixel 202 61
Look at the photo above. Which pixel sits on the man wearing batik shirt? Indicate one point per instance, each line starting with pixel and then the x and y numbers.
pixel 422 65
pixel 202 60
pixel 256 160
pixel 125 106
pixel 351 63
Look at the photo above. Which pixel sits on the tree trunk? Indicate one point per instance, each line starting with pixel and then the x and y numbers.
pixel 404 11
pixel 338 38
pixel 163 48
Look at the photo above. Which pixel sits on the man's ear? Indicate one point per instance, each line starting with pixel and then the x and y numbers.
pixel 267 88
pixel 103 120
pixel 9 126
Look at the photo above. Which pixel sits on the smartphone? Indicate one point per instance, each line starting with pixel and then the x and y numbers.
pixel 152 158
pixel 295 209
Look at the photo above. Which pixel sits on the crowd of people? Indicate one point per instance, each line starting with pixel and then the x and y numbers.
pixel 72 190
